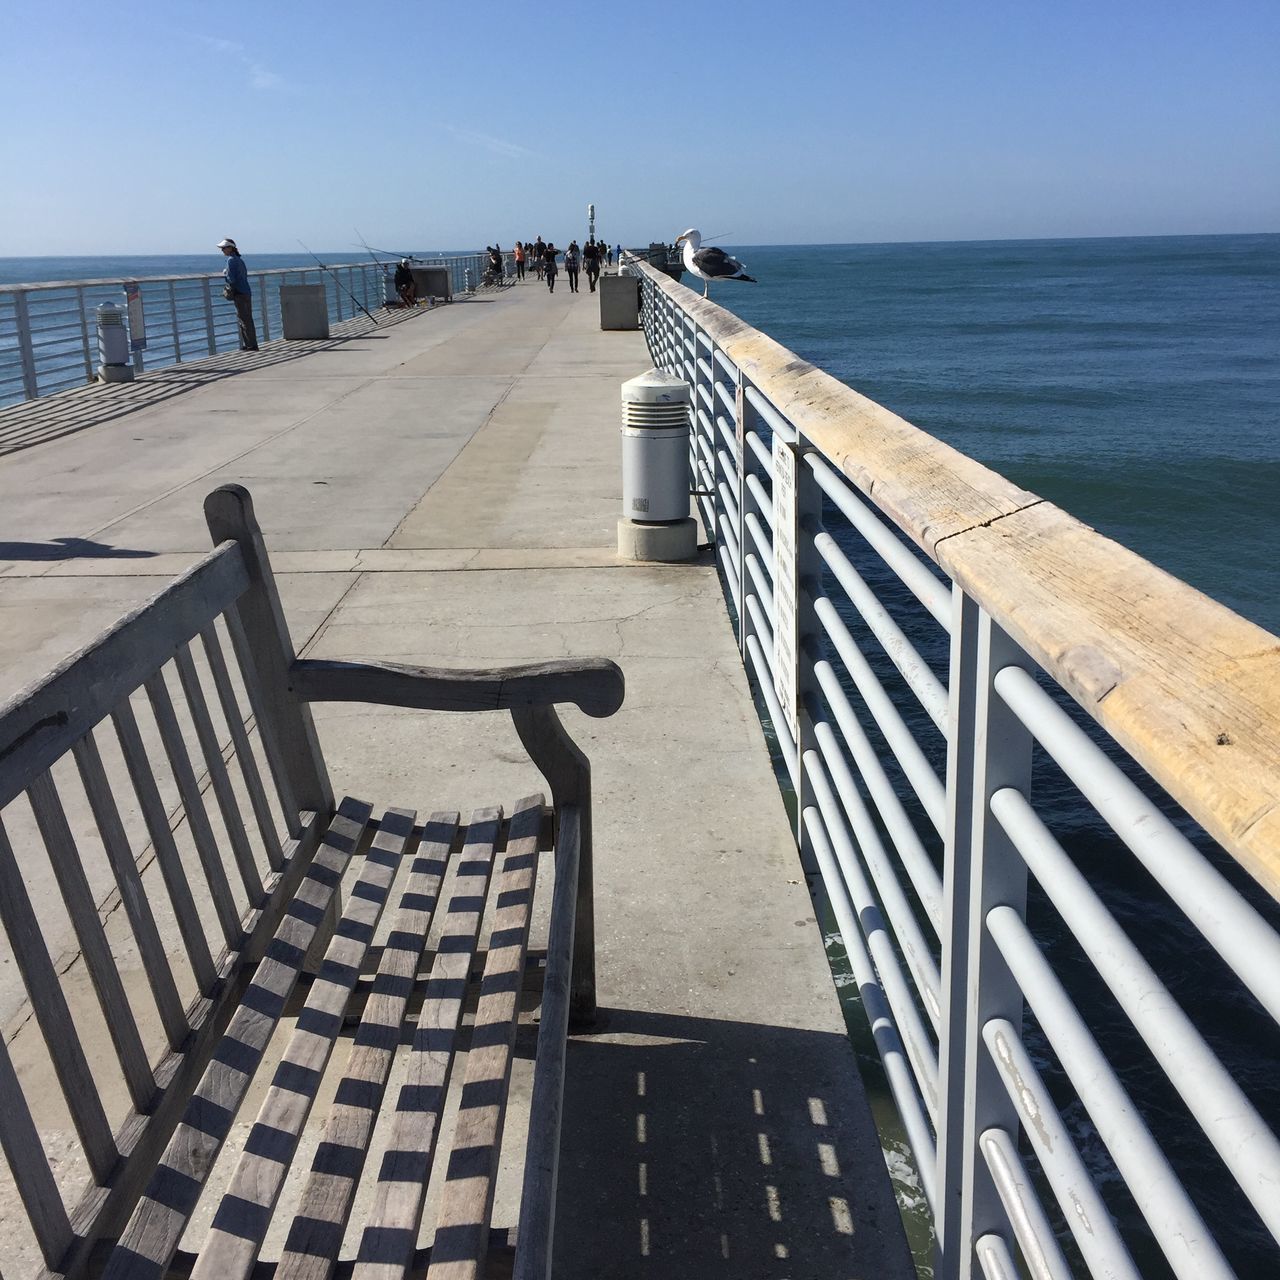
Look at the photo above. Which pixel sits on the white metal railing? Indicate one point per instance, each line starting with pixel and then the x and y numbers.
pixel 48 332
pixel 914 663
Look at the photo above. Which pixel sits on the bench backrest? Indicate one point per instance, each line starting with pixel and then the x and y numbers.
pixel 160 795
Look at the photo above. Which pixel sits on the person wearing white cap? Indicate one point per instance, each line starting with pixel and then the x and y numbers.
pixel 236 289
pixel 405 284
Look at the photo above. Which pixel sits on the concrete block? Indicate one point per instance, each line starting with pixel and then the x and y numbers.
pixel 619 302
pixel 668 543
pixel 304 313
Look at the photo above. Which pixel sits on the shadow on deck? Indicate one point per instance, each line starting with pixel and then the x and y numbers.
pixel 62 413
pixel 668 1170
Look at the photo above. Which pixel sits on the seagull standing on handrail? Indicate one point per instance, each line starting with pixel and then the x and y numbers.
pixel 709 263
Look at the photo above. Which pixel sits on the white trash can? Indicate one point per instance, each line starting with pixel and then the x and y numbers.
pixel 655 522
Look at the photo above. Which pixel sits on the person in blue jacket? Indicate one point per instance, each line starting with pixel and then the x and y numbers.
pixel 237 290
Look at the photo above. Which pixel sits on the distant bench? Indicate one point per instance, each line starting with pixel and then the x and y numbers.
pixel 243 911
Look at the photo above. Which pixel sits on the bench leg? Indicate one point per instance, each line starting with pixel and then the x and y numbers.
pixel 568 773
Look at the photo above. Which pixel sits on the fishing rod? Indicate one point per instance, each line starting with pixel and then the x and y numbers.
pixel 377 261
pixel 340 285
pixel 413 257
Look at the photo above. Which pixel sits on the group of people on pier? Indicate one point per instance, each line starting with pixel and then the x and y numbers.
pixel 591 258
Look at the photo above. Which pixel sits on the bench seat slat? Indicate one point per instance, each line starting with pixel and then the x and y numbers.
pixel 315 1234
pixel 167 855
pixel 155 963
pixel 223 792
pixel 462 1231
pixel 95 950
pixel 391 1230
pixel 240 741
pixel 215 873
pixel 148 1242
pixel 241 1222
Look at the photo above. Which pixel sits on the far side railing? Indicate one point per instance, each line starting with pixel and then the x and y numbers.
pixel 48 332
pixel 1030 769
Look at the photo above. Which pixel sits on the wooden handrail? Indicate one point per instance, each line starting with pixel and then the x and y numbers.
pixel 1187 687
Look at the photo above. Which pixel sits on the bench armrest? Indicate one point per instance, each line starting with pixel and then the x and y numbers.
pixel 594 685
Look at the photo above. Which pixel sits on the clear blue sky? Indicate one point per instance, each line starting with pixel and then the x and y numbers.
pixel 147 127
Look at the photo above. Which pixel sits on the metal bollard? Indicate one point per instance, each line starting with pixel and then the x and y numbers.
pixel 655 523
pixel 113 345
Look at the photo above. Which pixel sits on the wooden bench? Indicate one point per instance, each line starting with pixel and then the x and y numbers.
pixel 148 766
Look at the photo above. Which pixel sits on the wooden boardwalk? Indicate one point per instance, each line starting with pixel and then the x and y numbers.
pixel 424 485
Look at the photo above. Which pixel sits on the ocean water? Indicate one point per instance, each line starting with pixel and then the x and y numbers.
pixel 124 267
pixel 1135 383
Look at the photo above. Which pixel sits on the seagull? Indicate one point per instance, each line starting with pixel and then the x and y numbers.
pixel 710 263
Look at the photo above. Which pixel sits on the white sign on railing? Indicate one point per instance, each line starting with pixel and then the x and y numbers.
pixel 137 320
pixel 786 678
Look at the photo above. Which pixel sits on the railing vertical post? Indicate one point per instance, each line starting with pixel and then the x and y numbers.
pixel 84 334
pixel 263 312
pixel 173 320
pixel 744 421
pixel 807 567
pixel 208 316
pixel 705 507
pixel 26 353
pixel 786 615
pixel 988 748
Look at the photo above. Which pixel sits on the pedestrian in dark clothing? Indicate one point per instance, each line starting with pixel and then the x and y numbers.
pixel 539 252
pixel 549 252
pixel 236 289
pixel 591 262
pixel 406 287
pixel 572 261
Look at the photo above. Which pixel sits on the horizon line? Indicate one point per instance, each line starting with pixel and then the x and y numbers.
pixel 761 244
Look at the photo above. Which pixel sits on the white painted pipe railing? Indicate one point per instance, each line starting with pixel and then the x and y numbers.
pixel 48 334
pixel 920 630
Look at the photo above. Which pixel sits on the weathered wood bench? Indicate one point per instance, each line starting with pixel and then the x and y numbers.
pixel 120 754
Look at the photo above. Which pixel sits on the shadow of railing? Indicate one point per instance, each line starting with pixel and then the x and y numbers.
pixel 695 1149
pixel 63 413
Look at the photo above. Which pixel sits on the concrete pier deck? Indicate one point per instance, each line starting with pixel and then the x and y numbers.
pixel 444 490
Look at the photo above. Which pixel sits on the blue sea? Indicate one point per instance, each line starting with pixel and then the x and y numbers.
pixel 1133 382
pixel 126 267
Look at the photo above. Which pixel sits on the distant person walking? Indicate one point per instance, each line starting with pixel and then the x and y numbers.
pixel 591 262
pixel 572 261
pixel 236 289
pixel 519 256
pixel 549 252
pixel 539 257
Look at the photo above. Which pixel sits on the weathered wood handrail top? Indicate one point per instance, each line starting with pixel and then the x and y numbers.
pixel 1189 688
